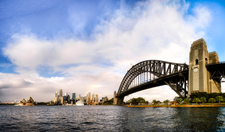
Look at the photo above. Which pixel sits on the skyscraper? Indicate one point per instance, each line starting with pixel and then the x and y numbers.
pixel 60 92
pixel 96 98
pixel 74 98
pixel 79 96
pixel 56 94
pixel 88 95
pixel 56 98
pixel 89 100
pixel 93 98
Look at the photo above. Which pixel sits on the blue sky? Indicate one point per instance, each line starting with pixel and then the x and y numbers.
pixel 87 45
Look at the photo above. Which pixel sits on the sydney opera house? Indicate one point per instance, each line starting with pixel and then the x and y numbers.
pixel 29 102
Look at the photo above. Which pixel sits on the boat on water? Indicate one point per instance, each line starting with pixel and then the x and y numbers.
pixel 79 103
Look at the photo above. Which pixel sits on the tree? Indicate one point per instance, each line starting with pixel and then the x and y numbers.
pixel 166 101
pixel 154 101
pixel 196 100
pixel 186 101
pixel 108 102
pixel 158 101
pixel 203 99
pixel 146 102
pixel 219 98
pixel 136 100
pixel 175 99
pixel 212 100
pixel 178 100
pixel 140 100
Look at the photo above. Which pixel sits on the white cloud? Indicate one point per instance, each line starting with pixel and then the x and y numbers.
pixel 161 31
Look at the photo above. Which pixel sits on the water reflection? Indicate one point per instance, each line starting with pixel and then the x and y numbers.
pixel 110 118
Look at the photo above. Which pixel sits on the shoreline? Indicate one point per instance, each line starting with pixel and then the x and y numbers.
pixel 196 106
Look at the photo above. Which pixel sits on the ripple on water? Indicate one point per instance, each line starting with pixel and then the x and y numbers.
pixel 110 118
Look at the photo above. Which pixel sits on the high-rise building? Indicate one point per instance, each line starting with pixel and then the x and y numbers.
pixel 60 92
pixel 66 94
pixel 96 98
pixel 93 98
pixel 89 100
pixel 79 96
pixel 56 94
pixel 74 98
pixel 61 101
pixel 88 94
pixel 68 99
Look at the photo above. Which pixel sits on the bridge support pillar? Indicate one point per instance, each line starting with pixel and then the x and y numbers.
pixel 115 100
pixel 120 101
pixel 199 77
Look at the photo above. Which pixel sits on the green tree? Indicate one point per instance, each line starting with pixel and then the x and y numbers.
pixel 108 102
pixel 158 101
pixel 203 99
pixel 212 100
pixel 140 100
pixel 196 100
pixel 146 102
pixel 136 100
pixel 154 102
pixel 166 102
pixel 175 99
pixel 178 100
pixel 219 98
pixel 186 101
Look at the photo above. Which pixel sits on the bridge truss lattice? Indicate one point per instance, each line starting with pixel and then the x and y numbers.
pixel 153 73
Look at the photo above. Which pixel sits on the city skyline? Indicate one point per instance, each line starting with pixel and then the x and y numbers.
pixel 66 99
pixel 89 45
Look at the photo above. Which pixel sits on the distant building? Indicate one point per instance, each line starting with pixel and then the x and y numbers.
pixel 29 102
pixel 56 94
pixel 61 101
pixel 89 100
pixel 60 92
pixel 74 98
pixel 96 98
pixel 88 94
pixel 93 98
pixel 64 99
pixel 104 99
pixel 66 93
pixel 68 99
pixel 79 96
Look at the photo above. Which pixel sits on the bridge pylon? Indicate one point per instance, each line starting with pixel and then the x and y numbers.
pixel 199 77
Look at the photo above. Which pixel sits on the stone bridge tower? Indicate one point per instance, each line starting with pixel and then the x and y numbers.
pixel 199 77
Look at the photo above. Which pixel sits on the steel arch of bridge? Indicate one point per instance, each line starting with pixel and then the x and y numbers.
pixel 167 73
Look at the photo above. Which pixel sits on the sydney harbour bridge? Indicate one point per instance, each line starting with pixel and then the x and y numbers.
pixel 203 74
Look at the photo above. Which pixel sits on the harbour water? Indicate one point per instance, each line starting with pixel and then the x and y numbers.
pixel 110 118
